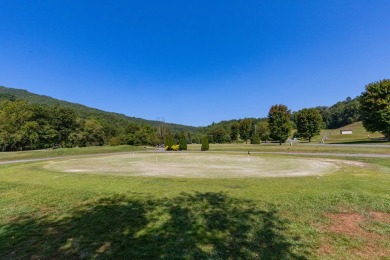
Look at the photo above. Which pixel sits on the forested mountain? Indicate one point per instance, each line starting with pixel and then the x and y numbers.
pixel 31 121
pixel 85 112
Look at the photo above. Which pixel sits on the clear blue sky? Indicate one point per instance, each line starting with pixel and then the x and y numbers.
pixel 194 62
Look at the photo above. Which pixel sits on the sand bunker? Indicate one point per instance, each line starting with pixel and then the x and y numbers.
pixel 193 165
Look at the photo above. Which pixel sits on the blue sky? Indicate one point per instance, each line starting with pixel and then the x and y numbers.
pixel 194 62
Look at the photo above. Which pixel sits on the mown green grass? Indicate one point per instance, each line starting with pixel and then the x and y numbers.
pixel 359 135
pixel 46 214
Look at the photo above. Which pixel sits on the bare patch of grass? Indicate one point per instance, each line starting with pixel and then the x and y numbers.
pixel 194 165
pixel 355 229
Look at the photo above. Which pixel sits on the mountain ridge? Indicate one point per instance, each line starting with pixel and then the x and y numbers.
pixel 82 110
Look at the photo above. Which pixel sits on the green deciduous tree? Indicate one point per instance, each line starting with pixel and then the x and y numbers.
pixel 279 123
pixel 308 122
pixel 263 130
pixel 93 134
pixel 255 138
pixel 64 122
pixel 17 125
pixel 375 107
pixel 344 113
pixel 205 144
pixel 245 129
pixel 219 135
pixel 234 131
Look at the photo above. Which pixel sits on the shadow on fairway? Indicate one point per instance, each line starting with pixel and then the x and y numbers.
pixel 365 141
pixel 190 226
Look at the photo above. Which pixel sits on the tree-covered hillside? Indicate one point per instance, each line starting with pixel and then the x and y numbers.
pixel 31 121
pixel 86 112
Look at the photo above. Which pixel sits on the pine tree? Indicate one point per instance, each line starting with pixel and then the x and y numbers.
pixel 234 131
pixel 169 142
pixel 205 144
pixel 183 142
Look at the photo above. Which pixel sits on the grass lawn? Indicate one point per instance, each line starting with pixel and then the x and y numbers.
pixel 49 213
pixel 359 136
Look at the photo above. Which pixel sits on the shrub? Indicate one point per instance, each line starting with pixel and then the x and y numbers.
pixel 205 144
pixel 183 142
pixel 169 142
pixel 255 139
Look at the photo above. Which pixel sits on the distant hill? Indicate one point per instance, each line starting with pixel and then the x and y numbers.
pixel 84 111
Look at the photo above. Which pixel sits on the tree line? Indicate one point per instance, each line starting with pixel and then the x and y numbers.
pixel 372 107
pixel 255 130
pixel 25 126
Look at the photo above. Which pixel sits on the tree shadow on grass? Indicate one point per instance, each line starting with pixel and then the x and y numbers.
pixel 190 226
pixel 365 141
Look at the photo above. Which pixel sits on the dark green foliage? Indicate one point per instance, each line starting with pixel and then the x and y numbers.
pixel 183 142
pixel 205 144
pixel 245 129
pixel 325 115
pixel 375 107
pixel 262 130
pixel 64 123
pixel 340 114
pixel 255 138
pixel 25 126
pixel 308 123
pixel 49 122
pixel 169 142
pixel 162 130
pixel 344 113
pixel 279 123
pixel 6 96
pixel 93 134
pixel 234 131
pixel 219 136
pixel 128 134
pixel 84 112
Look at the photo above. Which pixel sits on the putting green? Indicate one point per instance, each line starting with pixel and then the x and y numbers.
pixel 193 165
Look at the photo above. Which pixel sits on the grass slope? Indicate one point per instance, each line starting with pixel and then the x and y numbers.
pixel 49 214
pixel 359 135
